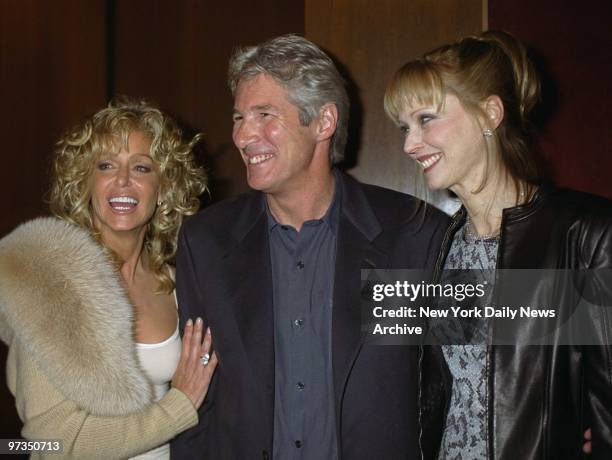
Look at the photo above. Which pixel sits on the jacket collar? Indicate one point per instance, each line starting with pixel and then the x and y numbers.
pixel 509 216
pixel 252 206
pixel 516 212
pixel 354 206
pixel 525 210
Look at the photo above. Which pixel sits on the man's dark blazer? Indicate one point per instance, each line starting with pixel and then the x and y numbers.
pixel 224 276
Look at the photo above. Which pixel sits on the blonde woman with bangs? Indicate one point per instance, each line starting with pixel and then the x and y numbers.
pixel 464 110
pixel 87 304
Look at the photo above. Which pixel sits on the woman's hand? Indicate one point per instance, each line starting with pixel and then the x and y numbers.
pixel 192 376
pixel 586 447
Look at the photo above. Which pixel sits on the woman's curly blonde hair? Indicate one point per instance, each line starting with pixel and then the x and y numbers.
pixel 181 180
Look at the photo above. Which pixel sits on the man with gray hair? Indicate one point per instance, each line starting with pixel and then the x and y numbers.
pixel 275 273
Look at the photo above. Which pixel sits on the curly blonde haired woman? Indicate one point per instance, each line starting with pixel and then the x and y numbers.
pixel 87 303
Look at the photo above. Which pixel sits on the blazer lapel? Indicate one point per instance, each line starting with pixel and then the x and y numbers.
pixel 251 298
pixel 358 228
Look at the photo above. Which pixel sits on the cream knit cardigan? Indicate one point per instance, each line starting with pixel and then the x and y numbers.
pixel 72 363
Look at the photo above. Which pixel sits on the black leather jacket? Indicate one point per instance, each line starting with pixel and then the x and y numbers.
pixel 540 398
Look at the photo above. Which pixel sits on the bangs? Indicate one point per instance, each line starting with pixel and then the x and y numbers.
pixel 108 145
pixel 416 83
pixel 112 135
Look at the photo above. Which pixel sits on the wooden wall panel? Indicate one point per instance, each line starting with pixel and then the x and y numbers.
pixel 372 40
pixel 176 53
pixel 572 43
pixel 52 73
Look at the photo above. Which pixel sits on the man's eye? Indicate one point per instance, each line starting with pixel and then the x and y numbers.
pixel 264 114
pixel 405 130
pixel 236 118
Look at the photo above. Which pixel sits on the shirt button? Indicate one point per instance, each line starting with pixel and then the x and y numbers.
pixel 298 322
pixel 298 443
pixel 300 265
pixel 265 455
pixel 300 385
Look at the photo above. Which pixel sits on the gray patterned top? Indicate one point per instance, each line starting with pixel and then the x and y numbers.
pixel 465 431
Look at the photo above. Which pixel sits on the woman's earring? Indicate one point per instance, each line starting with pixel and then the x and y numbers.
pixel 159 202
pixel 487 133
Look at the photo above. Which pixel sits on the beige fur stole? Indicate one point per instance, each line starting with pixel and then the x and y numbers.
pixel 61 299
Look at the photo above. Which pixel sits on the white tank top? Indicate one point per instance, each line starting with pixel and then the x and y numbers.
pixel 159 361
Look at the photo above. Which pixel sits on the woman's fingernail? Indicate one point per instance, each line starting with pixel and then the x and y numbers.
pixel 189 322
pixel 199 321
pixel 207 331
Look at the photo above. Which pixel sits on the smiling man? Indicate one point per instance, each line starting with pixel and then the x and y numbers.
pixel 276 275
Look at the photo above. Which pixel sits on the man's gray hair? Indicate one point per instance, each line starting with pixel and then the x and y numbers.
pixel 308 74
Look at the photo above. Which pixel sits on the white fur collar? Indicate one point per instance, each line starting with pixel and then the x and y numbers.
pixel 61 299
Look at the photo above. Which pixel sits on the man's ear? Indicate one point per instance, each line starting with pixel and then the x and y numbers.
pixel 493 108
pixel 327 121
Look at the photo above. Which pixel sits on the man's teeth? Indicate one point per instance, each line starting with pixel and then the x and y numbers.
pixel 258 159
pixel 123 199
pixel 431 160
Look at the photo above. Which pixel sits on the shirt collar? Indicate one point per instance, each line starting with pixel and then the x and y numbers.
pixel 331 215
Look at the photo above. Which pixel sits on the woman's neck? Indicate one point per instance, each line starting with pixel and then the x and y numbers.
pixel 485 207
pixel 129 247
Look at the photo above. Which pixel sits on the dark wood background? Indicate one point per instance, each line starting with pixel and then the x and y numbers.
pixel 62 60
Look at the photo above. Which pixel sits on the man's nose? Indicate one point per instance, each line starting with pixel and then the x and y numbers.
pixel 245 132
